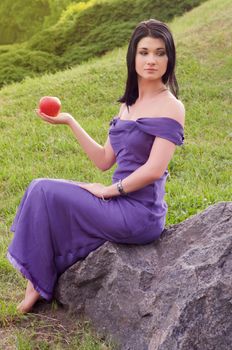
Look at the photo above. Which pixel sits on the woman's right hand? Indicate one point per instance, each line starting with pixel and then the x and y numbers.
pixel 61 118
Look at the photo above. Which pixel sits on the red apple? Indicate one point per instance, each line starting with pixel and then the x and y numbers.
pixel 50 105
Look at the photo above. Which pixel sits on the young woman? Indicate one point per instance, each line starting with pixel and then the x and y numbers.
pixel 60 222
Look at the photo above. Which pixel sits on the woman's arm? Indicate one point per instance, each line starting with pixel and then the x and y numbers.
pixel 160 155
pixel 102 156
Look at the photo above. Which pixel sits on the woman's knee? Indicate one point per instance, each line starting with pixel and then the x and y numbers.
pixel 38 184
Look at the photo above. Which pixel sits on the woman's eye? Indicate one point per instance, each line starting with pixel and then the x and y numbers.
pixel 143 53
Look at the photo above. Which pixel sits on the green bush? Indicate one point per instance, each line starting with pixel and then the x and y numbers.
pixel 20 63
pixel 21 19
pixel 56 9
pixel 84 23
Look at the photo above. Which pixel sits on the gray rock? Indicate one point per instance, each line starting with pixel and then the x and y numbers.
pixel 175 293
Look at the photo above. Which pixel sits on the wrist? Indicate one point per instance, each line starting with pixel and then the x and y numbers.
pixel 120 188
pixel 110 191
pixel 71 121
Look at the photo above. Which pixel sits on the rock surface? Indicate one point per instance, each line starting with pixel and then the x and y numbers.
pixel 175 293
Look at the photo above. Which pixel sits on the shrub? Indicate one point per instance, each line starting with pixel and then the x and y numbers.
pixel 20 63
pixel 20 19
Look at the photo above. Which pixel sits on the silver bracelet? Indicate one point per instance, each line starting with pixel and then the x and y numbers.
pixel 120 188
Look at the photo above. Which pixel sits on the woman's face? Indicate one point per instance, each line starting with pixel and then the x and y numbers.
pixel 151 59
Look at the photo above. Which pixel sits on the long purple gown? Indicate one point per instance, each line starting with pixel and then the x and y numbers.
pixel 59 223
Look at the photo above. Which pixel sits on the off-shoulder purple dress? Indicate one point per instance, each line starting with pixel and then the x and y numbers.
pixel 59 223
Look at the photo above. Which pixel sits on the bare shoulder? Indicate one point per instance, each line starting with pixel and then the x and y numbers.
pixel 176 109
pixel 121 109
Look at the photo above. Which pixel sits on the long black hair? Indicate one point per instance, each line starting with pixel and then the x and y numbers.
pixel 155 29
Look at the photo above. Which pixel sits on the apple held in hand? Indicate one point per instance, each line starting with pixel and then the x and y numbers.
pixel 50 105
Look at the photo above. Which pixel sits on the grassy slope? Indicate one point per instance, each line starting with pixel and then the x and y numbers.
pixel 200 171
pixel 205 62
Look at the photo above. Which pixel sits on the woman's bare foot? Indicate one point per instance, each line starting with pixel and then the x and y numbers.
pixel 31 296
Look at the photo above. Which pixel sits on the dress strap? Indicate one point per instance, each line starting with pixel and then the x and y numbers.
pixel 163 127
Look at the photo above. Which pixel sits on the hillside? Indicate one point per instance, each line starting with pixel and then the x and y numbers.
pixel 200 173
pixel 204 83
pixel 81 31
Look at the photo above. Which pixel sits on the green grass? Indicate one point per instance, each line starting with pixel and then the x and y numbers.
pixel 48 332
pixel 82 31
pixel 200 171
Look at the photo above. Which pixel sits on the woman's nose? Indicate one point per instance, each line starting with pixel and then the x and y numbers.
pixel 151 59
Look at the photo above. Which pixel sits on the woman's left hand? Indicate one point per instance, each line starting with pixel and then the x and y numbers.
pixel 97 189
pixel 61 118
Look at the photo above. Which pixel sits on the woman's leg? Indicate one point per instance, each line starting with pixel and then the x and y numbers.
pixel 53 229
pixel 31 296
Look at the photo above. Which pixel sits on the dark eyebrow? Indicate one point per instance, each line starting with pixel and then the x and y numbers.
pixel 145 48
